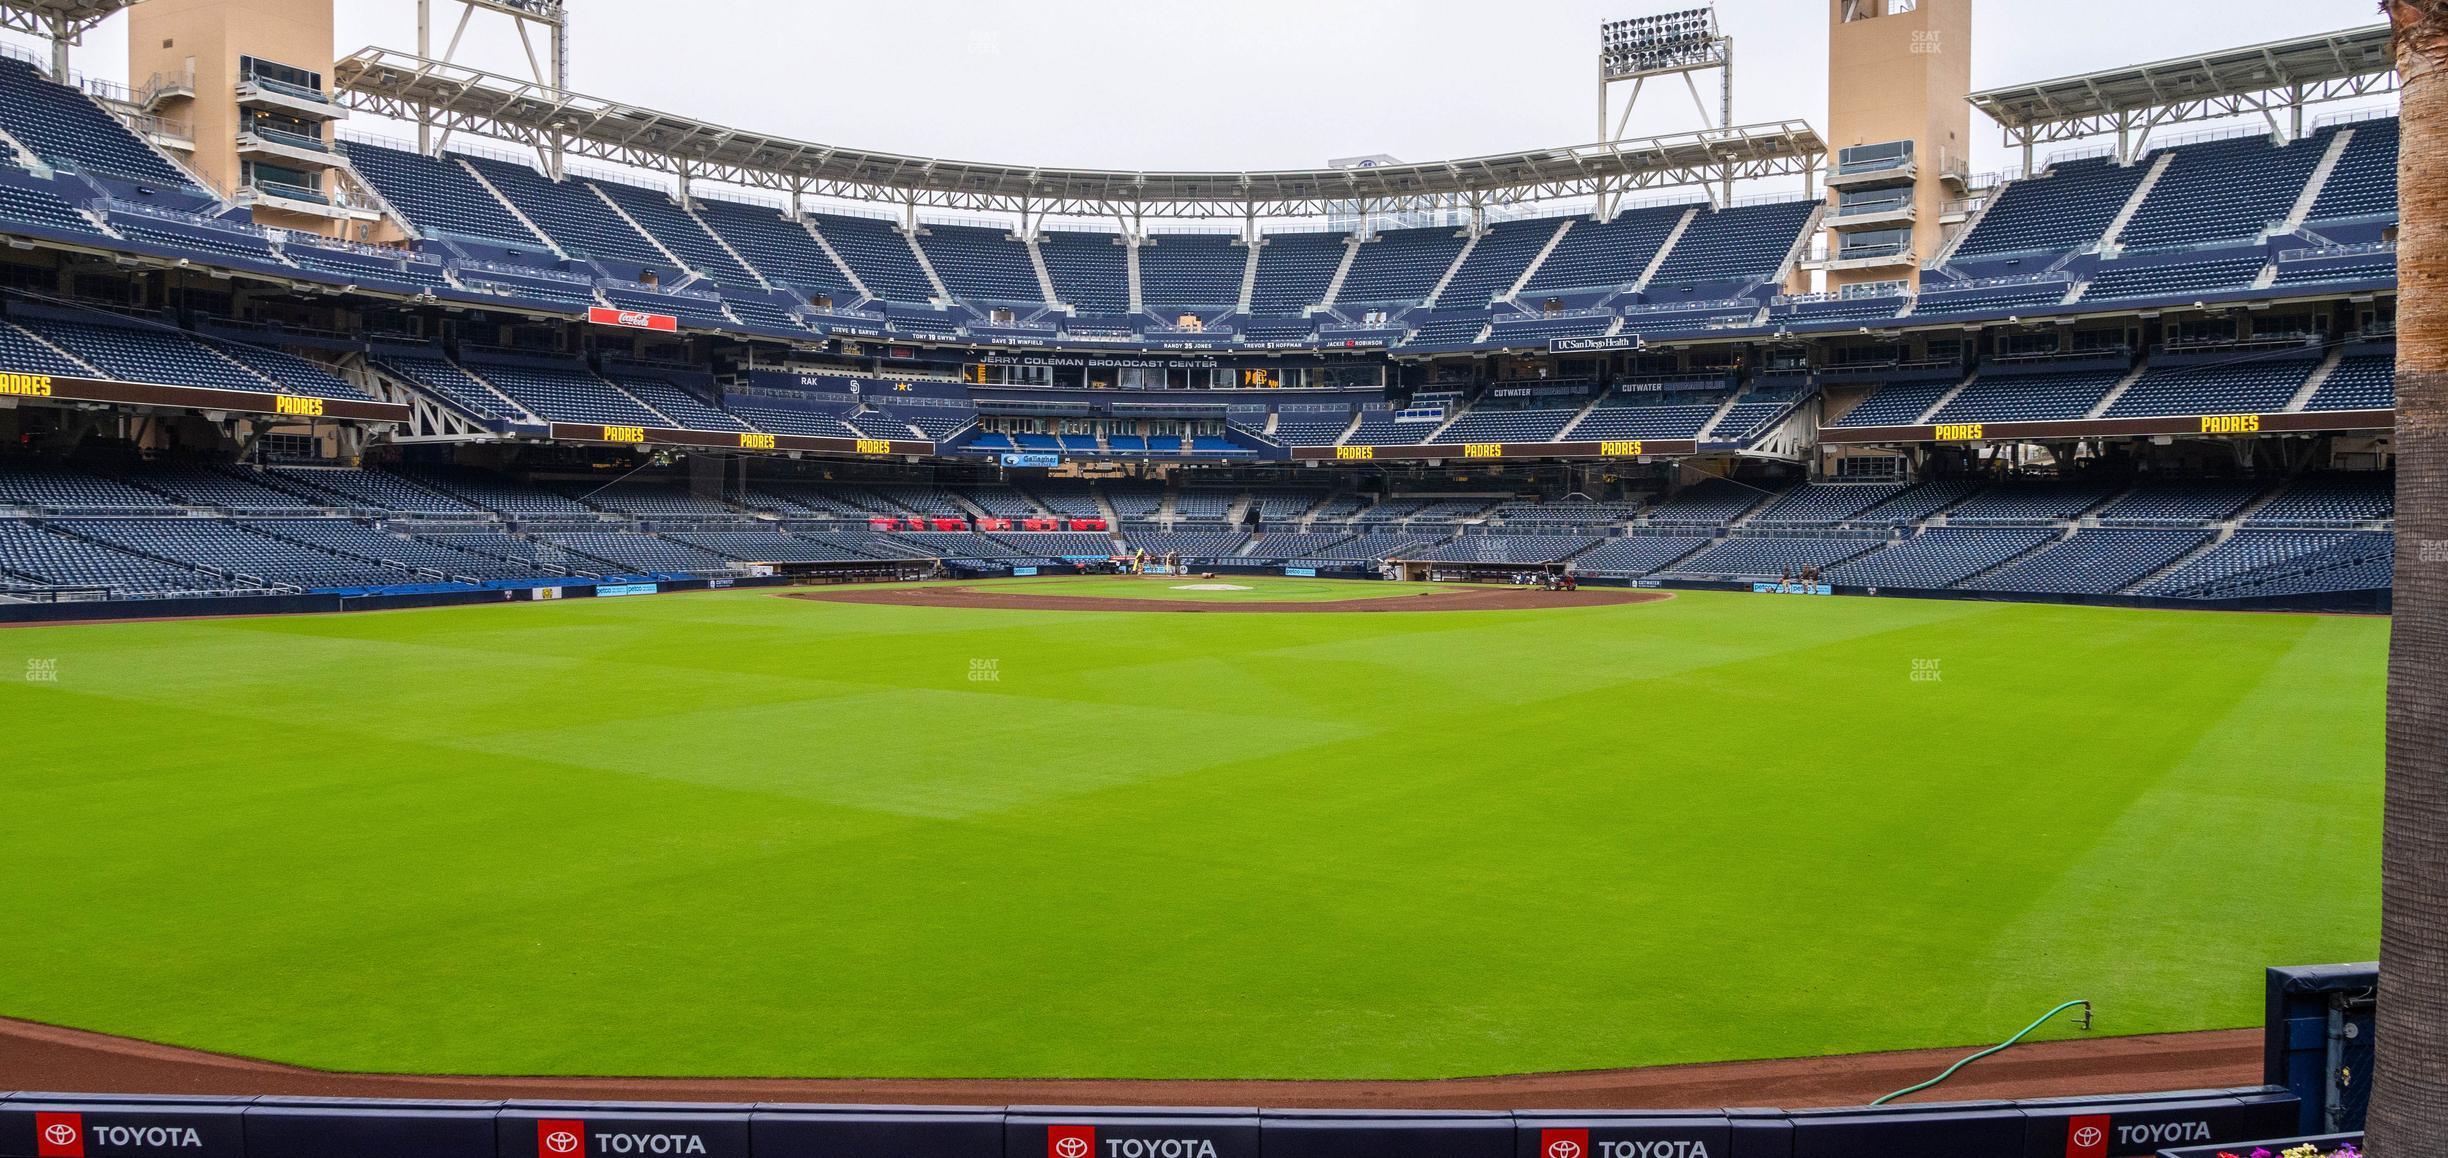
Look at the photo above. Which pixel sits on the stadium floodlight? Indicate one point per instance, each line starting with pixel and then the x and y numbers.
pixel 1681 42
pixel 1657 45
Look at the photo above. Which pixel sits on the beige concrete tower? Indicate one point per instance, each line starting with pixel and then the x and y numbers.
pixel 250 81
pixel 1900 129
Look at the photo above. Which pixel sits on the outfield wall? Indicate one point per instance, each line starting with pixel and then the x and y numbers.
pixel 44 1125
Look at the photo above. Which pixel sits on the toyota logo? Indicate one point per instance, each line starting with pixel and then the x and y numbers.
pixel 1564 1148
pixel 60 1134
pixel 561 1142
pixel 2088 1137
pixel 1071 1147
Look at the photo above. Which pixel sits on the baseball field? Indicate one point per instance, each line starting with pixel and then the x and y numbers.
pixel 733 833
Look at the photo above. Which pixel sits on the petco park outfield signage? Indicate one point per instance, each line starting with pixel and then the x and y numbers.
pixel 734 439
pixel 1490 451
pixel 268 401
pixel 2219 425
pixel 123 1126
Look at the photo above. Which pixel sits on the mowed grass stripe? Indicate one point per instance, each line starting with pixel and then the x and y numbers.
pixel 734 834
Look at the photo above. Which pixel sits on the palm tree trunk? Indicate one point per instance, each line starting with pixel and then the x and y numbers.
pixel 2409 1106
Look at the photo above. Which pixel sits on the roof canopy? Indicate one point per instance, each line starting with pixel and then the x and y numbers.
pixel 64 19
pixel 2261 79
pixel 457 98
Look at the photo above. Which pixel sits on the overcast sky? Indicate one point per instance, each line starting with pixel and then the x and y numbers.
pixel 1234 84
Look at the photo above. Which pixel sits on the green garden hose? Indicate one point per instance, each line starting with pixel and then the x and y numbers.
pixel 1950 1070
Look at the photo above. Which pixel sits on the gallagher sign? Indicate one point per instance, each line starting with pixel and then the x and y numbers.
pixel 633 319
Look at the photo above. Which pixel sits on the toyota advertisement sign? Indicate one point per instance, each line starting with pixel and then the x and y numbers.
pixel 121 1126
pixel 1611 1136
pixel 526 1131
pixel 1127 1135
pixel 135 1128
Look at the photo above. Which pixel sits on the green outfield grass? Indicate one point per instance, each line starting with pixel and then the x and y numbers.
pixel 733 834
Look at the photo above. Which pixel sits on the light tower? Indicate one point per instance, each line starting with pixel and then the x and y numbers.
pixel 551 73
pixel 1684 43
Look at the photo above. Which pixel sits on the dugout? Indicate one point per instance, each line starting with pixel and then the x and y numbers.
pixel 1475 571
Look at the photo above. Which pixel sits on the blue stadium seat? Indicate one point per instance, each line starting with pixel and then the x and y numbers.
pixel 1503 252
pixel 1996 397
pixel 1607 255
pixel 1400 266
pixel 879 253
pixel 1191 271
pixel 2363 186
pixel 2214 388
pixel 981 264
pixel 2222 190
pixel 1293 271
pixel 2063 210
pixel 571 214
pixel 67 129
pixel 782 248
pixel 1091 271
pixel 666 222
pixel 438 196
pixel 2093 562
pixel 1936 558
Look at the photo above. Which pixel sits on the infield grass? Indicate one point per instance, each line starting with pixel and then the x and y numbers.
pixel 733 834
